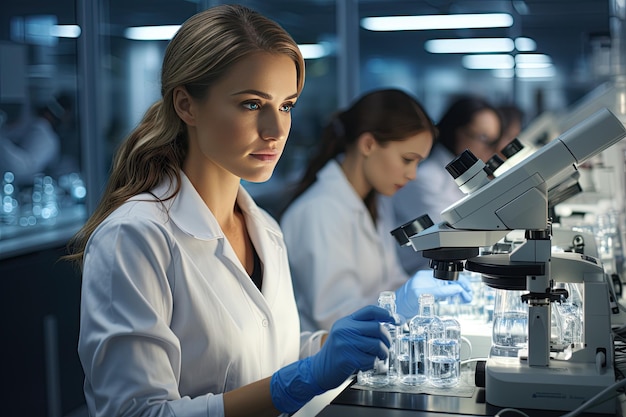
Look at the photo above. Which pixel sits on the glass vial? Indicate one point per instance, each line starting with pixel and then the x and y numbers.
pixel 413 349
pixel 384 372
pixel 444 353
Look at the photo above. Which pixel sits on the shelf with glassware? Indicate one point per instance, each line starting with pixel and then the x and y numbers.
pixel 43 214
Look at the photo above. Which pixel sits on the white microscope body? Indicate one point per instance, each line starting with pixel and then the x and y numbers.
pixel 518 200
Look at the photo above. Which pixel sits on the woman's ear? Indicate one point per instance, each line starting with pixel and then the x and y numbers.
pixel 183 104
pixel 366 143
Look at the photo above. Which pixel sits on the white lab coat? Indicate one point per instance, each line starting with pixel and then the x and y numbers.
pixel 430 193
pixel 340 261
pixel 169 316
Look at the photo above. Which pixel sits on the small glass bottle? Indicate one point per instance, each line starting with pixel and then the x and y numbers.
pixel 384 372
pixel 414 348
pixel 444 353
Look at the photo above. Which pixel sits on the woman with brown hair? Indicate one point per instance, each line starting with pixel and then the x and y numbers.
pixel 337 228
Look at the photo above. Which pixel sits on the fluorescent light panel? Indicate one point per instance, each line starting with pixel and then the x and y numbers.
pixel 435 22
pixel 65 31
pixel 167 32
pixel 151 33
pixel 533 61
pixel 465 46
pixel 524 44
pixel 488 61
pixel 313 50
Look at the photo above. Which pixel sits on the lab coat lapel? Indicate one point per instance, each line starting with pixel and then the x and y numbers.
pixel 201 224
pixel 192 216
pixel 267 240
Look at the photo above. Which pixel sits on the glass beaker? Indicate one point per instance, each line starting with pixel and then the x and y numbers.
pixel 510 324
pixel 444 362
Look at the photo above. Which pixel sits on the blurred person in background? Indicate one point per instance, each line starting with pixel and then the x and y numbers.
pixel 30 144
pixel 337 227
pixel 468 123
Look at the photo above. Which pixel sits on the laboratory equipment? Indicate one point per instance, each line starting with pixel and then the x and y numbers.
pixel 510 324
pixel 413 357
pixel 518 200
pixel 444 364
pixel 384 371
pixel 444 353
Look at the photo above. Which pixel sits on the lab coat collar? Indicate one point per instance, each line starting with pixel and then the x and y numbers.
pixel 189 212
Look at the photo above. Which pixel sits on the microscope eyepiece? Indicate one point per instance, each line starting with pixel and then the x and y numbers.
pixel 403 233
pixel 459 165
pixel 469 172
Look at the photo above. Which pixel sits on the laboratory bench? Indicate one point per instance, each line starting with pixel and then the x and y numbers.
pixel 365 403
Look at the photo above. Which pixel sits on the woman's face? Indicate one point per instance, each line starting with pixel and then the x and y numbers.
pixel 391 166
pixel 481 136
pixel 242 126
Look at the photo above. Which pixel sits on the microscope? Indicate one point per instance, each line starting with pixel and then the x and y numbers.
pixel 518 200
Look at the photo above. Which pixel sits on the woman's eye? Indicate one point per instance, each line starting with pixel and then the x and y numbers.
pixel 252 106
pixel 287 108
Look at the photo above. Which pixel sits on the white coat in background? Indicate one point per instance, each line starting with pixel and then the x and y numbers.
pixel 340 260
pixel 169 316
pixel 432 191
pixel 30 149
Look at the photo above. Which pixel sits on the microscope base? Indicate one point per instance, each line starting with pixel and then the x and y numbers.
pixel 563 385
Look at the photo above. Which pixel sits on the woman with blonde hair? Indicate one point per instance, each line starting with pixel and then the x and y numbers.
pixel 187 307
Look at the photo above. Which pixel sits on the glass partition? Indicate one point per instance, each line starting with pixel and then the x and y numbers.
pixel 41 183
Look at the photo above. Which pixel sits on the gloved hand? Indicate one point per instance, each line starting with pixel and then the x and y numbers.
pixel 407 296
pixel 352 344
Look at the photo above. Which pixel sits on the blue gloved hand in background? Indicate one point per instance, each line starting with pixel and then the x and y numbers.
pixel 407 296
pixel 352 344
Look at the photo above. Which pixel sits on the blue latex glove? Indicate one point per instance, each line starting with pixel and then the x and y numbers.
pixel 423 282
pixel 352 344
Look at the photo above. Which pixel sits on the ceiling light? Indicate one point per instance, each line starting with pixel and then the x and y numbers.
pixel 433 22
pixel 488 61
pixel 151 33
pixel 472 45
pixel 313 50
pixel 533 61
pixel 524 44
pixel 65 31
